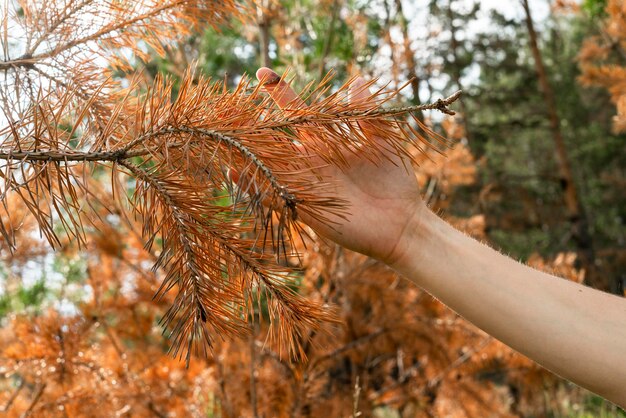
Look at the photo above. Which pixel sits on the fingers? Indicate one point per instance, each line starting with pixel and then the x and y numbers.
pixel 287 99
pixel 283 95
pixel 246 185
pixel 360 92
pixel 361 98
pixel 279 90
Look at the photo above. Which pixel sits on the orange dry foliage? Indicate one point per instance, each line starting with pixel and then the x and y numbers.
pixel 602 63
pixel 107 358
pixel 408 351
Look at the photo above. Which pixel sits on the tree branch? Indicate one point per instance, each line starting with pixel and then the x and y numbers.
pixel 441 105
pixel 28 60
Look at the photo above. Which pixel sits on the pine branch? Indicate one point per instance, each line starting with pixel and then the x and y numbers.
pixel 199 315
pixel 441 105
pixel 204 297
pixel 118 17
pixel 67 14
pixel 107 30
pixel 124 153
pixel 216 257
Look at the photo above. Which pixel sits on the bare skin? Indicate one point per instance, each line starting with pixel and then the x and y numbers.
pixel 574 331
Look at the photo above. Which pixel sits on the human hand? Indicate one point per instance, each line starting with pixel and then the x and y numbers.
pixel 382 198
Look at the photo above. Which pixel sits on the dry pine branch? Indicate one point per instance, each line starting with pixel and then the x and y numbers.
pixel 220 244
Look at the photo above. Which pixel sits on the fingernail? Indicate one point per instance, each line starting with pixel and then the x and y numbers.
pixel 273 78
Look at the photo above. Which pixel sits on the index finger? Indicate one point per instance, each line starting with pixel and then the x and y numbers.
pixel 279 90
pixel 285 97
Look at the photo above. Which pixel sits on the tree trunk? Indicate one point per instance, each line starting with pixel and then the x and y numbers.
pixel 575 211
pixel 456 69
pixel 328 42
pixel 264 34
pixel 386 36
pixel 409 56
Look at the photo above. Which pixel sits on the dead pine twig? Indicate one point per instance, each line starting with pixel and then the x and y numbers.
pixel 181 155
pixel 458 362
pixel 28 412
pixel 356 396
pixel 13 396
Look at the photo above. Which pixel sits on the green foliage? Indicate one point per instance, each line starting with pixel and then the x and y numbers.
pixel 596 407
pixel 509 127
pixel 72 269
pixel 226 54
pixel 24 299
pixel 595 8
pixel 34 295
pixel 221 53
pixel 66 285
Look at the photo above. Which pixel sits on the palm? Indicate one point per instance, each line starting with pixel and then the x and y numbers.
pixel 376 194
pixel 379 194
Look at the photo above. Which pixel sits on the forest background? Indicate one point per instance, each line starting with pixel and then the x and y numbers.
pixel 538 171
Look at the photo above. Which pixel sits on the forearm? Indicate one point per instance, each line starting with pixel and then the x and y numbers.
pixel 574 331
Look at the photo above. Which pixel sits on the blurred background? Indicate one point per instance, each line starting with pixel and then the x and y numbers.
pixel 538 171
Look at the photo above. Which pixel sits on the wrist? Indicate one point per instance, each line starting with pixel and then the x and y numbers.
pixel 418 231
